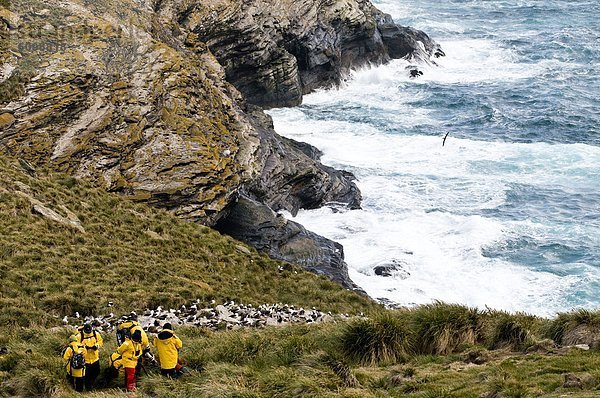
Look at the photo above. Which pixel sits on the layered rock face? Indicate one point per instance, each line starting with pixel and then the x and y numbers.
pixel 274 51
pixel 142 98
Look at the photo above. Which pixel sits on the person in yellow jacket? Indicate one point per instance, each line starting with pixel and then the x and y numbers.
pixel 92 341
pixel 115 364
pixel 128 327
pixel 168 345
pixel 74 355
pixel 130 352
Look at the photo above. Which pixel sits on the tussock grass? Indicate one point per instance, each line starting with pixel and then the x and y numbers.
pixel 514 331
pixel 382 338
pixel 568 322
pixel 297 361
pixel 49 270
pixel 443 328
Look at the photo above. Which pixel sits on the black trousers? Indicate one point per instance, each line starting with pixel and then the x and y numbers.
pixel 92 371
pixel 172 373
pixel 76 382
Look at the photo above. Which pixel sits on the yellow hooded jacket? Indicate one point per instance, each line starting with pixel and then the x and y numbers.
pixel 132 326
pixel 168 346
pixel 74 347
pixel 130 351
pixel 115 360
pixel 92 342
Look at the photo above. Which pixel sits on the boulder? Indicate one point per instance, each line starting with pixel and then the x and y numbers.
pixel 256 224
pixel 583 334
pixel 406 42
pixel 394 268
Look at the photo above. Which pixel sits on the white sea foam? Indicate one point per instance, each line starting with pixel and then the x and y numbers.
pixel 436 212
pixel 418 203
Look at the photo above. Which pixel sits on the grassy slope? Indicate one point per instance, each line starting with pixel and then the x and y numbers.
pixel 49 270
pixel 131 254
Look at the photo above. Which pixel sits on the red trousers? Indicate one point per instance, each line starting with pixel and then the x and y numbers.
pixel 130 380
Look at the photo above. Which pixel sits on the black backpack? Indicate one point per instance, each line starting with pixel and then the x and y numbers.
pixel 77 360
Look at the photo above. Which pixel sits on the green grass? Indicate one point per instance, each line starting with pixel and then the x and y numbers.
pixel 298 361
pixel 380 339
pixel 567 322
pixel 131 254
pixel 514 331
pixel 138 257
pixel 443 328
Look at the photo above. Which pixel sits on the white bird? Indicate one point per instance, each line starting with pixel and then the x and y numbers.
pixel 65 320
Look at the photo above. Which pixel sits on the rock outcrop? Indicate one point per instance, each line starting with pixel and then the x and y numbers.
pixel 260 227
pixel 274 52
pixel 142 98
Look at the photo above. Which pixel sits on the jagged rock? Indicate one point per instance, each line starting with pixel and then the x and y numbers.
pixel 415 73
pixel 243 249
pixel 256 224
pixel 290 180
pixel 394 268
pixel 406 42
pixel 274 55
pixel 25 165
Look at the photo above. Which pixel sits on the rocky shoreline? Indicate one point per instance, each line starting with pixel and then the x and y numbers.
pixel 162 102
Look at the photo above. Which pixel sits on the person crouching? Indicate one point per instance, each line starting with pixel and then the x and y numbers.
pixel 130 351
pixel 168 345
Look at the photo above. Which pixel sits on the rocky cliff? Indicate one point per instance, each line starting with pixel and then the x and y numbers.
pixel 160 101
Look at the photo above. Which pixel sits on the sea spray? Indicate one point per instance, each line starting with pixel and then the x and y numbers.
pixel 507 213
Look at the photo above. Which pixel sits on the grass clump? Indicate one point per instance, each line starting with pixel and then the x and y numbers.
pixel 382 338
pixel 513 331
pixel 567 323
pixel 442 328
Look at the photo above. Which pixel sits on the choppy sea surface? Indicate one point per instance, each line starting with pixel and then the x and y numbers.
pixel 507 213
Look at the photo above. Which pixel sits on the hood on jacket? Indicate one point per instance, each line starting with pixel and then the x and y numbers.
pixel 165 335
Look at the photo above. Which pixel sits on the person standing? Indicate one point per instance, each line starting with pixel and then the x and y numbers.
pixel 127 328
pixel 168 345
pixel 74 355
pixel 92 341
pixel 130 351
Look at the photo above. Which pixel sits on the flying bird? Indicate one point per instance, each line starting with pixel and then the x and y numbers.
pixel 444 141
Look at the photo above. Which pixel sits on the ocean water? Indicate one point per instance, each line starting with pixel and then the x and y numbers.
pixel 507 213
